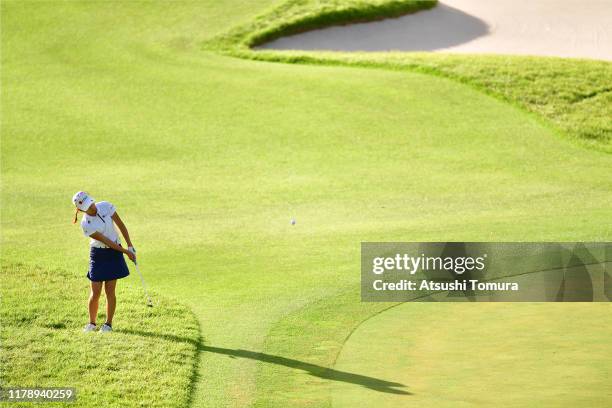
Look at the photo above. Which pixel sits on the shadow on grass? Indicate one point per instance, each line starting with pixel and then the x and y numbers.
pixel 372 383
pixel 313 369
pixel 194 377
pixel 437 28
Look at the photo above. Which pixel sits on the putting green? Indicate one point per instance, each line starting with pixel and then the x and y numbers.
pixel 475 355
pixel 207 158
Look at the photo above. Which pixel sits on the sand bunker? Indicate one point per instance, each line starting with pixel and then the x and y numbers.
pixel 564 28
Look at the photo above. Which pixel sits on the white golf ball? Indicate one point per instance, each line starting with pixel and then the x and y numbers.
pixel 293 221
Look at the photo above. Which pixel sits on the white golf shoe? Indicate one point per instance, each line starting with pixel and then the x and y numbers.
pixel 106 328
pixel 89 328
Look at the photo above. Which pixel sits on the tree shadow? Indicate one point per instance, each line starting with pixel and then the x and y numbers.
pixel 427 30
pixel 372 383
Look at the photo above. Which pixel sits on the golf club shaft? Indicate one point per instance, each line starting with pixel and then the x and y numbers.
pixel 144 285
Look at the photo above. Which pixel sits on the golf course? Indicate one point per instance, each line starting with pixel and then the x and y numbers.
pixel 210 149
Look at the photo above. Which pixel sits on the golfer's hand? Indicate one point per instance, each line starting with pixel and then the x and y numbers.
pixel 131 255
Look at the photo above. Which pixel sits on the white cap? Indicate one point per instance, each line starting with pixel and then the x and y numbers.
pixel 82 200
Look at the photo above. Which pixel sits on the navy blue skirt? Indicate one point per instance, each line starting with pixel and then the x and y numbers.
pixel 106 264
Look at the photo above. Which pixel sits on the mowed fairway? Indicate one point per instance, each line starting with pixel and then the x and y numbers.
pixel 207 159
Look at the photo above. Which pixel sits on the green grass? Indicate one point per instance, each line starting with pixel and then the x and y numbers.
pixel 207 157
pixel 573 95
pixel 313 336
pixel 294 16
pixel 443 359
pixel 147 361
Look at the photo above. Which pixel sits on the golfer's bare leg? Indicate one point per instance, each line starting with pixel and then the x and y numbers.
pixel 94 298
pixel 111 300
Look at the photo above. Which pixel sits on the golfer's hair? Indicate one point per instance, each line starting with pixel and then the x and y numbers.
pixel 76 216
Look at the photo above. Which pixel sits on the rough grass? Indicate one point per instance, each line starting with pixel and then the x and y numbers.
pixel 574 95
pixel 148 360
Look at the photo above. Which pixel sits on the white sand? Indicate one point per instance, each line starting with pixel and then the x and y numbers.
pixel 564 28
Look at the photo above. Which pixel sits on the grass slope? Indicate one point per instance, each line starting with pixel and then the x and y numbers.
pixel 574 95
pixel 147 361
pixel 207 158
pixel 291 17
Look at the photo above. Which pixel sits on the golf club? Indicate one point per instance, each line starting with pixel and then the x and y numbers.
pixel 144 285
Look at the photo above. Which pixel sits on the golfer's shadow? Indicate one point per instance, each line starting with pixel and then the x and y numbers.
pixel 315 370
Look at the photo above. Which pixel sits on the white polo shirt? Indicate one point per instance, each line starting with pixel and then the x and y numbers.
pixel 101 222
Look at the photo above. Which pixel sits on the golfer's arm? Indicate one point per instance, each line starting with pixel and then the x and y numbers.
pixel 99 237
pixel 122 228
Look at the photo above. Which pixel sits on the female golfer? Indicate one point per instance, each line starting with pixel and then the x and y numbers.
pixel 106 262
